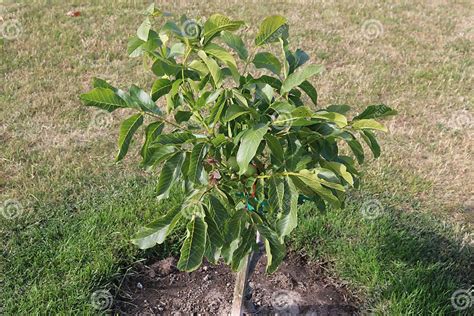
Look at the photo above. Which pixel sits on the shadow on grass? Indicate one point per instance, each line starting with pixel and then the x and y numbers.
pixel 404 262
pixel 430 260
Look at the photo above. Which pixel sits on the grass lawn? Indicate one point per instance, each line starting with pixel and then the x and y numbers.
pixel 77 209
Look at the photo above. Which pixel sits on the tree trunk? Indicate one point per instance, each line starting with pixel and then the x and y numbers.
pixel 241 301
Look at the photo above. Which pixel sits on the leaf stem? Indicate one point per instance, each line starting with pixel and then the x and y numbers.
pixel 284 58
pixel 249 60
pixel 161 118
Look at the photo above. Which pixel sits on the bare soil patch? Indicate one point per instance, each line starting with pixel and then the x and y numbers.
pixel 298 287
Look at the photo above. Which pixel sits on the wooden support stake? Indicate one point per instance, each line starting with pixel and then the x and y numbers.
pixel 240 289
pixel 241 280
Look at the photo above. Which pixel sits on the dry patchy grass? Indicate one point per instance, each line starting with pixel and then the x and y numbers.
pixel 414 57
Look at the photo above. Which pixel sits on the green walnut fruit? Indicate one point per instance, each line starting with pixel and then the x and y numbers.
pixel 251 171
pixel 232 163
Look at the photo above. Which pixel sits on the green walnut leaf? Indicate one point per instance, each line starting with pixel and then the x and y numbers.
pixel 249 143
pixel 151 132
pixel 308 88
pixel 192 251
pixel 375 111
pixel 315 186
pixel 144 30
pixel 368 124
pixel 160 88
pixel 103 98
pixel 271 29
pixel 297 78
pixel 143 100
pixel 127 129
pixel 169 174
pixel 371 141
pixel 213 68
pixel 217 23
pixel 245 246
pixel 236 43
pixel 289 216
pixel 224 56
pixel 196 163
pixel 267 61
pixel 275 248
pixel 157 231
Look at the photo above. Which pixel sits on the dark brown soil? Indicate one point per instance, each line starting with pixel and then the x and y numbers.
pixel 298 287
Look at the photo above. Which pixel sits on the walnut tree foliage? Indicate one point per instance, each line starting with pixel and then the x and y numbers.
pixel 246 149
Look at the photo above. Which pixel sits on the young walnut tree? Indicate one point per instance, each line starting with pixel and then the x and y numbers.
pixel 246 149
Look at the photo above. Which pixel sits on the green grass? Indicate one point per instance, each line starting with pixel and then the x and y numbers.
pixel 398 263
pixel 80 209
pixel 54 265
pixel 403 264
